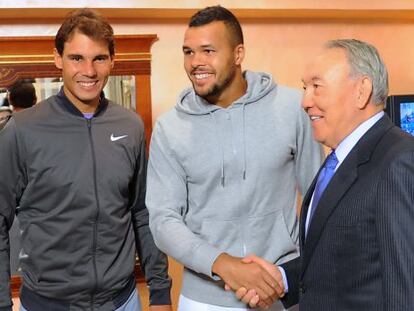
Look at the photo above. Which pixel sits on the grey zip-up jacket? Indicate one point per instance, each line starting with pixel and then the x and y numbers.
pixel 79 186
pixel 226 180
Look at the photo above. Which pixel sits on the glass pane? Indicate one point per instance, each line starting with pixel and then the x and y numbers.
pixel 119 89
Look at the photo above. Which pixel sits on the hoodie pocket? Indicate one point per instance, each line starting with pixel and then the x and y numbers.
pixel 223 234
pixel 266 236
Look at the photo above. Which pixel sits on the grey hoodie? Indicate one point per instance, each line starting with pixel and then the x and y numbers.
pixel 225 180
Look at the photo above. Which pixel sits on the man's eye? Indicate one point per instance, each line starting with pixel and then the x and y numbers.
pixel 208 51
pixel 188 52
pixel 75 58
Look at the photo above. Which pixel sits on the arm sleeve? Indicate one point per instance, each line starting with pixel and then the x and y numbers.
pixel 395 219
pixel 284 278
pixel 309 154
pixel 167 202
pixel 154 263
pixel 291 269
pixel 11 188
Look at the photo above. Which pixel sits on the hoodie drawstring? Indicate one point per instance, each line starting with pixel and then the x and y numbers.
pixel 220 143
pixel 244 141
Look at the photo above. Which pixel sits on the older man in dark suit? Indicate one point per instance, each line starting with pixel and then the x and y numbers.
pixel 357 219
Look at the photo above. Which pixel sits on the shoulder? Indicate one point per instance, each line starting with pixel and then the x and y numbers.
pixel 168 116
pixel 289 93
pixel 284 98
pixel 396 169
pixel 119 113
pixel 37 113
pixel 395 148
pixel 287 102
pixel 398 141
pixel 284 90
pixel 170 121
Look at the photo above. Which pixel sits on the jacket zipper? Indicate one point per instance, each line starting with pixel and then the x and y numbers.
pixel 95 224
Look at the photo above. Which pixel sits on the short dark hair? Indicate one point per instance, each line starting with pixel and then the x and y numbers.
pixel 218 13
pixel 89 23
pixel 22 94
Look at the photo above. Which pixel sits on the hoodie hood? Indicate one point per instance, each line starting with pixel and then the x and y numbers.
pixel 258 85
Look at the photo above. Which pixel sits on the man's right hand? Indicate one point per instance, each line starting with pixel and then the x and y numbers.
pixel 250 275
pixel 249 296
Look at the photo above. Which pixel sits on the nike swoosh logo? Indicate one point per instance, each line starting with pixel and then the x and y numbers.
pixel 115 138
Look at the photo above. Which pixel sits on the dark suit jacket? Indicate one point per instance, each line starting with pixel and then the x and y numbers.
pixel 359 251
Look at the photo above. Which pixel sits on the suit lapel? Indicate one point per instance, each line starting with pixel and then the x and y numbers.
pixel 344 178
pixel 305 207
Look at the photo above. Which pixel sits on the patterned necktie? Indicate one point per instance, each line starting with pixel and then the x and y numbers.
pixel 324 177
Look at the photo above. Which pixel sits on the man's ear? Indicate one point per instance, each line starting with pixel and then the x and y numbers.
pixel 112 61
pixel 364 92
pixel 58 59
pixel 239 52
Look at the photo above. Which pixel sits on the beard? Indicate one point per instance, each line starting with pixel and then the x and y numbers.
pixel 214 91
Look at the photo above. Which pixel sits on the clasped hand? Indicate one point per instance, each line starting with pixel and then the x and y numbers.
pixel 255 281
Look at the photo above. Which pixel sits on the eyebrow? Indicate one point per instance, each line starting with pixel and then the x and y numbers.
pixel 96 56
pixel 202 46
pixel 74 55
pixel 102 56
pixel 313 79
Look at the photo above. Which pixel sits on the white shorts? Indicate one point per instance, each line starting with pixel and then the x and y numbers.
pixel 186 304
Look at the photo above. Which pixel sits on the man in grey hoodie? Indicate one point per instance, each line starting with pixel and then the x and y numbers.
pixel 225 165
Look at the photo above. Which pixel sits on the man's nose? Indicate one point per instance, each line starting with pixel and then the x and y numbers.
pixel 307 101
pixel 89 69
pixel 198 60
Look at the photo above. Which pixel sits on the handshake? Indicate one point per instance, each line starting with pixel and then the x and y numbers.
pixel 254 280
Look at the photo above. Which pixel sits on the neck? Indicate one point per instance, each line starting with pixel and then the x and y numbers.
pixel 82 106
pixel 370 111
pixel 234 90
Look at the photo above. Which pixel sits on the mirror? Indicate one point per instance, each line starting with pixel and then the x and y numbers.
pixel 129 85
pixel 119 89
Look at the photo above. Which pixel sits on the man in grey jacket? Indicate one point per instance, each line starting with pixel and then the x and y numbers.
pixel 75 166
pixel 225 165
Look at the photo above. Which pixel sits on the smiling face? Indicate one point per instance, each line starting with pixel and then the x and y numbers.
pixel 86 65
pixel 212 62
pixel 335 101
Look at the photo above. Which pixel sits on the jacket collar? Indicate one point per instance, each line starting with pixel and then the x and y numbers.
pixel 344 178
pixel 71 108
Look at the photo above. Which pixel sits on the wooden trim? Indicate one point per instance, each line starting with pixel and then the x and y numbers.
pixel 143 85
pixel 15 285
pixel 160 15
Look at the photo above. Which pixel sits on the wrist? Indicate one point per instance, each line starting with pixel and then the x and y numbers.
pixel 219 265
